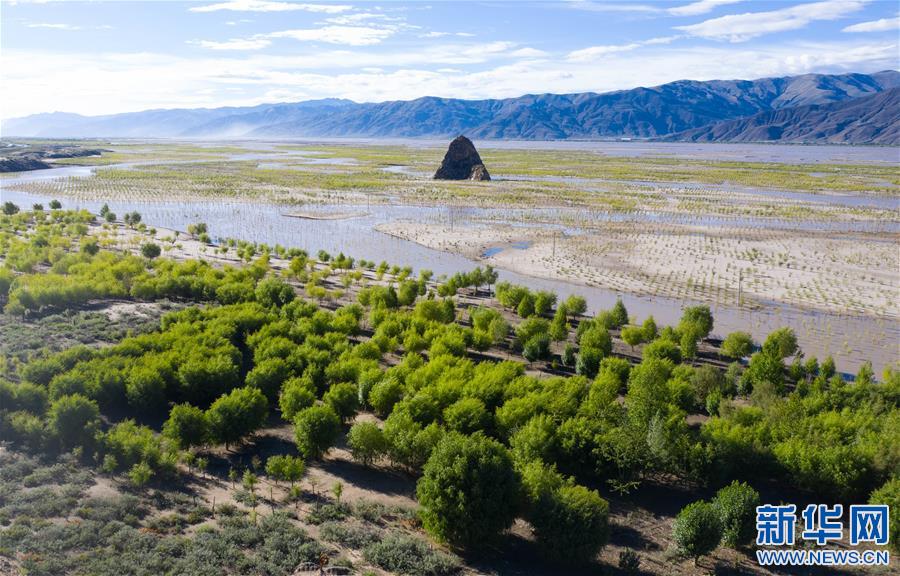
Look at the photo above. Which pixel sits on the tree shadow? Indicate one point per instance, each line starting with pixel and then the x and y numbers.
pixel 628 537
pixel 516 555
pixel 380 480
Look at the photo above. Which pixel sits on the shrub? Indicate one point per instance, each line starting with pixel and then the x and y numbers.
pixel 404 554
pixel 347 534
pixel 697 530
pixel 469 491
pixel 629 562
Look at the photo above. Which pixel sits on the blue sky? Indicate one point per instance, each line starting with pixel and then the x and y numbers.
pixel 106 57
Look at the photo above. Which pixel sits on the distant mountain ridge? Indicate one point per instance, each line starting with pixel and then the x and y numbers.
pixel 871 119
pixel 661 111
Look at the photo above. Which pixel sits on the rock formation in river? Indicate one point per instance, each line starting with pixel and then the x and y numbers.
pixel 462 162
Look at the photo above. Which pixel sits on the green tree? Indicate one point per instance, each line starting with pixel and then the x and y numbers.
pixel 237 414
pixel 698 316
pixel 536 440
pixel 543 302
pixel 697 530
pixel 274 292
pixel 385 395
pixel 690 334
pixel 145 389
pixel 890 494
pixel 650 330
pixel 662 349
pixel 55 204
pixel 140 474
pixel 367 442
pixel 575 305
pixel 781 343
pixel 619 314
pixel 865 375
pixel 469 491
pixel 765 367
pixel 343 398
pixel 737 345
pixel 74 420
pixel 285 468
pixel 150 250
pixel 632 335
pixel 316 429
pixel 737 504
pixel 571 524
pixel 187 426
pixel 268 376
pixel 89 246
pixel 537 347
pixel 296 394
pixel 9 208
pixel 410 444
pixel 525 309
pixel 467 416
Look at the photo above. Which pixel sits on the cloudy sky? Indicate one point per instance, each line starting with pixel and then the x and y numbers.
pixel 105 57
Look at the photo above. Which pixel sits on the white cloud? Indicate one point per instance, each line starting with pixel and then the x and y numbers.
pixel 437 34
pixel 358 17
pixel 701 7
pixel 743 27
pixel 270 6
pixel 883 25
pixel 90 83
pixel 347 35
pixel 234 44
pixel 528 53
pixel 595 52
pixel 53 26
pixel 613 7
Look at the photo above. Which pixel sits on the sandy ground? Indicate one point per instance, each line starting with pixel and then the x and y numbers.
pixel 856 274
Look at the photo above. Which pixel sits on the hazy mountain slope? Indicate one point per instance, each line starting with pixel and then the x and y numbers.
pixel 637 113
pixel 873 119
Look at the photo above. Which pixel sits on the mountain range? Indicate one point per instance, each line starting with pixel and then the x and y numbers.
pixel 845 108
pixel 871 119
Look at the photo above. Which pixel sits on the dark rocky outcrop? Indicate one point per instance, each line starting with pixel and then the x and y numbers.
pixel 462 162
pixel 22 158
pixel 21 163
